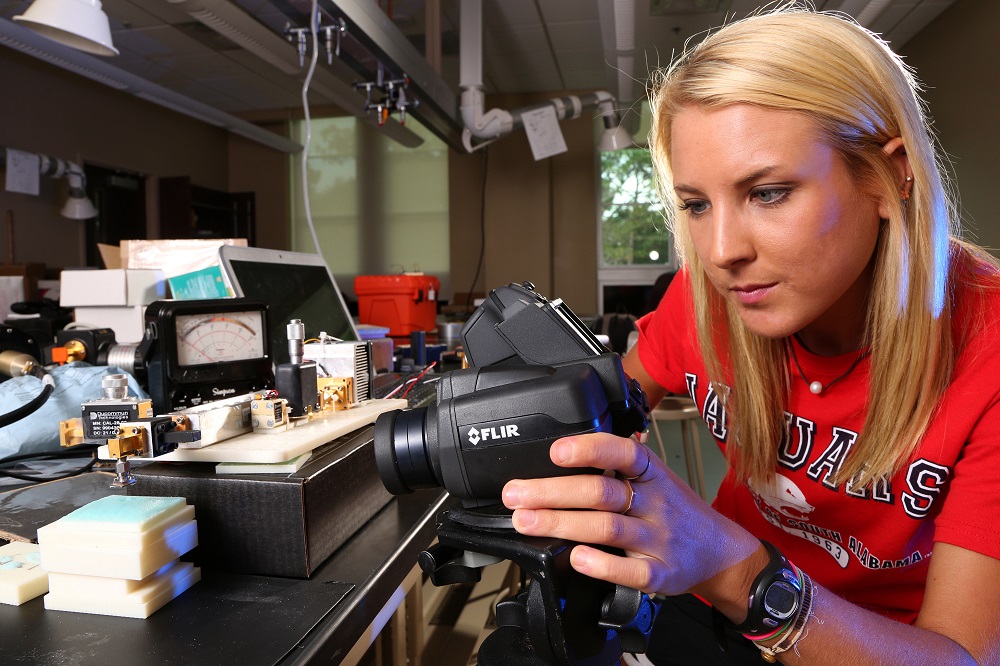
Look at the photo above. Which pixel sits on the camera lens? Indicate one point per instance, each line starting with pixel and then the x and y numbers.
pixel 401 454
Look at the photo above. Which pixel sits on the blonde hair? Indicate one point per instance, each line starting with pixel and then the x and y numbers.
pixel 861 95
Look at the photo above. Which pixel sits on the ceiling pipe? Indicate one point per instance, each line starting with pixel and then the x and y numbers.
pixel 488 126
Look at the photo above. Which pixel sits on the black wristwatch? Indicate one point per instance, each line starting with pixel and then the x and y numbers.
pixel 775 596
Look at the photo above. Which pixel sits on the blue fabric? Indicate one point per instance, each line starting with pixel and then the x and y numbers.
pixel 39 432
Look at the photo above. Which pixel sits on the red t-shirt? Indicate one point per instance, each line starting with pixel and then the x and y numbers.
pixel 872 548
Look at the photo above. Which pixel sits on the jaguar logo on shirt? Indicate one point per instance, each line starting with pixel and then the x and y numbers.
pixel 786 498
pixel 784 505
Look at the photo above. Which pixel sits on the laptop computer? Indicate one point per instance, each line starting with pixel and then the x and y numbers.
pixel 294 285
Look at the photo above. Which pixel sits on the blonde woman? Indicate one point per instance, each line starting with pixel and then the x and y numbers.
pixel 840 342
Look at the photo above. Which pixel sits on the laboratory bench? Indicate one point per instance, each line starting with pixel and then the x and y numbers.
pixel 331 617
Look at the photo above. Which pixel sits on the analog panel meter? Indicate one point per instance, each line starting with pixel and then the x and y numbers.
pixel 199 351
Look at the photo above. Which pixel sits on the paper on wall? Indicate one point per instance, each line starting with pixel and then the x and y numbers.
pixel 544 135
pixel 23 172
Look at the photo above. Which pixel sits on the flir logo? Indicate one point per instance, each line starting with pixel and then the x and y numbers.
pixel 477 435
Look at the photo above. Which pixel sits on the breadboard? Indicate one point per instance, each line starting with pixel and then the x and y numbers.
pixel 282 446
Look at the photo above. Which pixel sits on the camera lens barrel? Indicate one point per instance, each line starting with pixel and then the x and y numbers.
pixel 404 464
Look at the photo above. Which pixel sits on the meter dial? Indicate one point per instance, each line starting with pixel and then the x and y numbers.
pixel 214 338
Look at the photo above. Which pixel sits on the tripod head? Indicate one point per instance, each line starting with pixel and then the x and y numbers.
pixel 561 618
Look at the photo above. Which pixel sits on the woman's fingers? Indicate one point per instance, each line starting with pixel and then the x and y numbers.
pixel 604 451
pixel 636 572
pixel 587 491
pixel 596 527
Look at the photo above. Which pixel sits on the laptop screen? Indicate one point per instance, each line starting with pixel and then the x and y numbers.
pixel 292 290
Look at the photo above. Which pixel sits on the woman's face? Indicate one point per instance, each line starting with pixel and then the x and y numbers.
pixel 783 230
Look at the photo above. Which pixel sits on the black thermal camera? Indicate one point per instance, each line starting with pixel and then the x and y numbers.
pixel 547 376
pixel 538 374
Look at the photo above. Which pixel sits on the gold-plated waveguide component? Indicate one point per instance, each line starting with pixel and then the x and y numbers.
pixel 71 432
pixel 335 393
pixel 268 413
pixel 75 351
pixel 132 440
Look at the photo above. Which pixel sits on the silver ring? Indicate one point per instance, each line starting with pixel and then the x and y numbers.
pixel 631 497
pixel 644 470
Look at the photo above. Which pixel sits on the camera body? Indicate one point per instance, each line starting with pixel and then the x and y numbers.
pixel 490 425
pixel 546 376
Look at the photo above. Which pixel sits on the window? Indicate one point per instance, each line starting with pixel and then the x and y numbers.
pixel 635 246
pixel 379 208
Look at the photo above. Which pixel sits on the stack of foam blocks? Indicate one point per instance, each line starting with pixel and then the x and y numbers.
pixel 119 556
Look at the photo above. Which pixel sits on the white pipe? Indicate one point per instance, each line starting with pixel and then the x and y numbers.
pixel 495 123
pixel 625 47
pixel 470 45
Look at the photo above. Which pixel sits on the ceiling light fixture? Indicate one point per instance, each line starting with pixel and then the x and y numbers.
pixel 80 24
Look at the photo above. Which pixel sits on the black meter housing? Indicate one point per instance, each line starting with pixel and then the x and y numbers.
pixel 200 351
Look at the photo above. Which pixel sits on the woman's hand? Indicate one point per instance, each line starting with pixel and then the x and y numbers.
pixel 675 542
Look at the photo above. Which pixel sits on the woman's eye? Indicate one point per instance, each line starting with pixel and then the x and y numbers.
pixel 694 206
pixel 770 196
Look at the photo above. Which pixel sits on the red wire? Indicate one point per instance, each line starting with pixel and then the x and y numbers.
pixel 414 382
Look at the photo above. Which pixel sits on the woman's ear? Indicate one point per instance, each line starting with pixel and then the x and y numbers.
pixel 896 151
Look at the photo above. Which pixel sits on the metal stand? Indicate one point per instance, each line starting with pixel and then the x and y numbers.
pixel 562 617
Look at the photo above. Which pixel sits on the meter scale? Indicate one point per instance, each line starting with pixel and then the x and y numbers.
pixel 213 339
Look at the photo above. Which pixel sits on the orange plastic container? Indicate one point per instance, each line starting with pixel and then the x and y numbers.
pixel 403 303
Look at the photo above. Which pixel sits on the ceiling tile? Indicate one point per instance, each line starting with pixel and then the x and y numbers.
pixel 520 13
pixel 575 35
pixel 591 60
pixel 558 11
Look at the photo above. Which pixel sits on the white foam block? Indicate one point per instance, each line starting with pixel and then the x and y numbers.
pixel 131 563
pixel 119 513
pixel 139 603
pixel 293 465
pixel 70 534
pixel 21 574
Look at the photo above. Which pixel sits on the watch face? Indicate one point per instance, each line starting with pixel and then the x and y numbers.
pixel 781 600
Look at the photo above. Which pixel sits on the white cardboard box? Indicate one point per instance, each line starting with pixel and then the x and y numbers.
pixel 127 321
pixel 118 287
